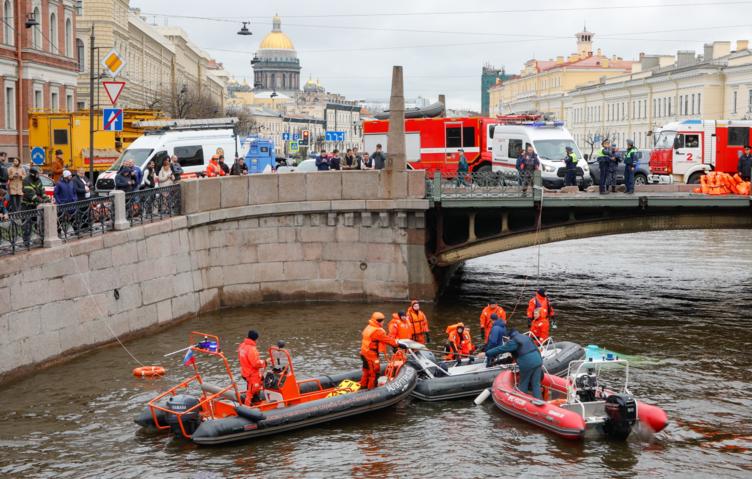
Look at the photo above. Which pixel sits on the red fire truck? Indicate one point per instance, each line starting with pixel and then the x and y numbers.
pixel 432 144
pixel 686 150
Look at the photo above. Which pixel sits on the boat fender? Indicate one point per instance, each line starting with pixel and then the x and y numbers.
pixel 252 414
pixel 482 397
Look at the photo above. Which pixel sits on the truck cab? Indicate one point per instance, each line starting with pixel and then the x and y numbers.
pixel 260 156
pixel 683 152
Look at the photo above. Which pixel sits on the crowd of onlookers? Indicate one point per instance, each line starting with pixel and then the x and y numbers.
pixel 351 160
pixel 130 177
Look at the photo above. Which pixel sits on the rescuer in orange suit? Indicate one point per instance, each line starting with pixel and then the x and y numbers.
pixel 540 300
pixel 251 366
pixel 485 318
pixel 460 343
pixel 213 168
pixel 374 342
pixel 539 328
pixel 419 323
pixel 399 326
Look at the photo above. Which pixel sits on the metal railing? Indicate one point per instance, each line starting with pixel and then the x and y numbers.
pixel 480 184
pixel 21 231
pixel 85 218
pixel 152 204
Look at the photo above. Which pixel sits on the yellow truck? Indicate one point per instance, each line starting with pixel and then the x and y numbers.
pixel 69 132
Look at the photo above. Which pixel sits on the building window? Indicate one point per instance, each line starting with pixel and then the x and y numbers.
pixel 686 104
pixel 81 54
pixel 38 102
pixel 69 102
pixel 733 102
pixel 68 37
pixel 79 7
pixel 654 103
pixel 693 103
pixel 53 33
pixel 669 106
pixel 699 104
pixel 54 101
pixel 36 35
pixel 10 108
pixel 8 23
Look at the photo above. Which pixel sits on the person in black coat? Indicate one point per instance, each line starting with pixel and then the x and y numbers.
pixel 744 167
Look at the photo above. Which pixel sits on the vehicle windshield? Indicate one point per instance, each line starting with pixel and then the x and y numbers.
pixel 138 155
pixel 665 139
pixel 554 149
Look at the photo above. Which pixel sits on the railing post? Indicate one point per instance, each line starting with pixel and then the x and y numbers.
pixel 49 217
pixel 436 186
pixel 537 185
pixel 118 206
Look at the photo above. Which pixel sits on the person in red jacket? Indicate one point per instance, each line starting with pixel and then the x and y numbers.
pixel 540 300
pixel 419 322
pixel 213 168
pixel 399 326
pixel 374 342
pixel 539 328
pixel 460 344
pixel 485 318
pixel 251 366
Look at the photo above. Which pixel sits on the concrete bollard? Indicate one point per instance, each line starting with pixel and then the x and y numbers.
pixel 49 216
pixel 118 206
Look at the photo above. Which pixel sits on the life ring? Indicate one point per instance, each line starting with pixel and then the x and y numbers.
pixel 149 371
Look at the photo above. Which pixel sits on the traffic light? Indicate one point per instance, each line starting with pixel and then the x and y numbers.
pixel 304 137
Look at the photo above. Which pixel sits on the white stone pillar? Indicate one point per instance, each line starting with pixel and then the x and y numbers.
pixel 118 207
pixel 49 217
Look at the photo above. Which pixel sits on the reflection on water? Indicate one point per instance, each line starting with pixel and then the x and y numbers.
pixel 679 301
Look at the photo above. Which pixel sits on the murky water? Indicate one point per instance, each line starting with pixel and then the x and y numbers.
pixel 680 301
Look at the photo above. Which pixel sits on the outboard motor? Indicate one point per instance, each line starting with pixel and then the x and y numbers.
pixel 621 415
pixel 587 384
pixel 181 403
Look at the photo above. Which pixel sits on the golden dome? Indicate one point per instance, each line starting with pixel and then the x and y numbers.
pixel 276 40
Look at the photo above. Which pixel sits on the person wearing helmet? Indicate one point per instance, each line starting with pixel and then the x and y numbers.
pixel 630 163
pixel 419 322
pixel 539 301
pixel 485 318
pixel 570 161
pixel 374 342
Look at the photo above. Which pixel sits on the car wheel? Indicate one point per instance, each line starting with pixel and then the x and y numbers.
pixel 694 178
pixel 640 179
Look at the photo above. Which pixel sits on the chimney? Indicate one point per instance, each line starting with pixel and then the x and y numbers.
pixel 442 100
pixel 685 58
pixel 742 45
pixel 721 49
pixel 707 53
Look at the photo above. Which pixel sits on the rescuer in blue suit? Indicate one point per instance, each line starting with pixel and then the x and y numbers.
pixel 498 331
pixel 528 358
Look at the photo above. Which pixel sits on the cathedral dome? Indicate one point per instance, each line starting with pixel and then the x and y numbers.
pixel 276 40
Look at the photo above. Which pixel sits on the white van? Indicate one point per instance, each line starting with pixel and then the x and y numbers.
pixel 193 147
pixel 549 140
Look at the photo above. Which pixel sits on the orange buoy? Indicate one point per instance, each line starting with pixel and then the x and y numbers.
pixel 149 371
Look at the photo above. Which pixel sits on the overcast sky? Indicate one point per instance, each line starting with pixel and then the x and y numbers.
pixel 351 46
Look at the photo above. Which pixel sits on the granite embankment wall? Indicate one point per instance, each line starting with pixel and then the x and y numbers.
pixel 241 240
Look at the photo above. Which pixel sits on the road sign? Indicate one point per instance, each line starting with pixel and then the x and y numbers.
pixel 37 155
pixel 113 63
pixel 112 119
pixel 113 90
pixel 296 136
pixel 334 136
pixel 285 136
pixel 294 147
pixel 340 136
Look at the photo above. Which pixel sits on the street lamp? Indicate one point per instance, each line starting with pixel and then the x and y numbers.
pixel 244 31
pixel 31 21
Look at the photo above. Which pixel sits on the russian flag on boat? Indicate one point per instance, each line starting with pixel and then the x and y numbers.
pixel 189 358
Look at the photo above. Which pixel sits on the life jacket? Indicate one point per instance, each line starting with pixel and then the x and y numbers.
pixel 417 320
pixel 525 345
pixel 485 318
pixel 399 329
pixel 604 154
pixel 251 363
pixel 462 344
pixel 571 161
pixel 539 302
pixel 629 158
pixel 213 169
pixel 540 328
pixel 370 344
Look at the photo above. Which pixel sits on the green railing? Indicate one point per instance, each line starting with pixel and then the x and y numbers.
pixel 482 185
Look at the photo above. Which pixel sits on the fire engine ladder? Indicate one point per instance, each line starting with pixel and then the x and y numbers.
pixel 157 126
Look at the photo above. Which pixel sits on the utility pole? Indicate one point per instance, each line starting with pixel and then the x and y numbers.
pixel 91 105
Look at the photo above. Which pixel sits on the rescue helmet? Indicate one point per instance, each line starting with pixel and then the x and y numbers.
pixel 630 142
pixel 377 316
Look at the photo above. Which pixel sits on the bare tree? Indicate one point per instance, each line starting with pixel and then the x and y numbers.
pixel 186 104
pixel 595 139
pixel 246 123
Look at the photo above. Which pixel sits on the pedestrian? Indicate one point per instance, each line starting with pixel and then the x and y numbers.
pixel 150 176
pixel 378 158
pixel 485 318
pixel 374 341
pixel 419 323
pixel 58 165
pixel 125 179
pixel 349 160
pixel 33 196
pixel 81 184
pixel 462 168
pixel 177 170
pixel 16 175
pixel 136 172
pixel 4 204
pixel 165 177
pixel 223 165
pixel 358 159
pixel 65 191
pixel 529 361
pixel 570 162
pixel 366 162
pixel 630 163
pixel 527 163
pixel 3 170
pixel 335 162
pixel 84 211
pixel 322 161
pixel 603 157
pixel 213 169
pixel 251 366
pixel 239 167
pixel 744 167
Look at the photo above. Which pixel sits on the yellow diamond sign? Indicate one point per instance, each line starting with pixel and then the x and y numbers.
pixel 113 63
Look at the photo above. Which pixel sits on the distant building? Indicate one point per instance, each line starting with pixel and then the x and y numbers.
pixel 489 77
pixel 542 79
pixel 276 66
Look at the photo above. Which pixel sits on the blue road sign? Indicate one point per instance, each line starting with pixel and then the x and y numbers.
pixel 334 136
pixel 294 147
pixel 340 135
pixel 37 155
pixel 296 136
pixel 285 136
pixel 112 119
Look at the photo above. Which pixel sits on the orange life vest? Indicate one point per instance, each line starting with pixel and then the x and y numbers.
pixel 213 169
pixel 399 329
pixel 540 328
pixel 462 344
pixel 417 320
pixel 541 302
pixel 375 340
pixel 485 318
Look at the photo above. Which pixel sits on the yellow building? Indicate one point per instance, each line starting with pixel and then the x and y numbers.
pixel 540 80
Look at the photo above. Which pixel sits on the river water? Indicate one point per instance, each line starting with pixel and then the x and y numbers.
pixel 679 301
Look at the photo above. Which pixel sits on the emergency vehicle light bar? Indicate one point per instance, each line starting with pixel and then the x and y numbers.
pixel 197 124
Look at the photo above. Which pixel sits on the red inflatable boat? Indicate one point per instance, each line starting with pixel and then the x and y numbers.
pixel 578 405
